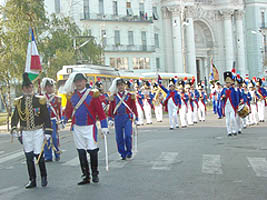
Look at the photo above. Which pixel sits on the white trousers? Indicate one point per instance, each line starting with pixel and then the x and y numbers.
pixel 189 115
pixel 261 109
pixel 158 112
pixel 147 109
pixel 140 114
pixel 195 113
pixel 245 122
pixel 230 119
pixel 33 141
pixel 201 111
pixel 84 137
pixel 172 111
pixel 253 116
pixel 182 113
pixel 238 123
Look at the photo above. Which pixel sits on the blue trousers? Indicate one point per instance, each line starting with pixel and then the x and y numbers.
pixel 47 150
pixel 219 109
pixel 214 105
pixel 123 128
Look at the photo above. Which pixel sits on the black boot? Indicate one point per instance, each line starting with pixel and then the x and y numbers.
pixel 42 170
pixel 31 170
pixel 84 167
pixel 94 164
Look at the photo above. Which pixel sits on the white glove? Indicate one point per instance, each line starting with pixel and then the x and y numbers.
pixel 110 123
pixel 62 125
pixel 105 131
pixel 15 133
pixel 47 137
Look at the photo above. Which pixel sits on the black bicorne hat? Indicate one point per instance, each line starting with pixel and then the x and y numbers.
pixel 79 76
pixel 259 82
pixel 228 77
pixel 119 81
pixel 99 85
pixel 26 80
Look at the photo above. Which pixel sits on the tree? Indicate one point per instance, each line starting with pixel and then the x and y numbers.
pixel 14 39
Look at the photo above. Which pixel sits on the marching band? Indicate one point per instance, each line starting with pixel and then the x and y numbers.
pixel 241 101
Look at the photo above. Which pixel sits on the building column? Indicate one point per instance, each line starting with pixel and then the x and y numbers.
pixel 228 39
pixel 168 50
pixel 241 59
pixel 206 68
pixel 191 47
pixel 176 39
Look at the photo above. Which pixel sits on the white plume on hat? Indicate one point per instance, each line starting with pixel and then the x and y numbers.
pixel 44 81
pixel 69 86
pixel 113 88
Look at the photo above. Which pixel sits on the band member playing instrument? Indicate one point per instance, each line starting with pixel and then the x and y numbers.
pixel 35 125
pixel 261 93
pixel 246 99
pixel 139 102
pixel 253 116
pixel 157 102
pixel 195 100
pixel 172 102
pixel 54 108
pixel 230 103
pixel 123 111
pixel 202 102
pixel 238 88
pixel 184 103
pixel 213 95
pixel 83 107
pixel 190 110
pixel 148 106
pixel 103 97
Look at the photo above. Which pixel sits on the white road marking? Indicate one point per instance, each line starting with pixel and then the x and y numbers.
pixel 259 166
pixel 118 164
pixel 211 164
pixel 11 157
pixel 165 160
pixel 11 192
pixel 8 189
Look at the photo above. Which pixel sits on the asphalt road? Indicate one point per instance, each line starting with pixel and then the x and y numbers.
pixel 196 163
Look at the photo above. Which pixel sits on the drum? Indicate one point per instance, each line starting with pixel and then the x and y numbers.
pixel 243 110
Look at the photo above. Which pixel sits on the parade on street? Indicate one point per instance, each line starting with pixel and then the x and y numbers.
pixel 133 99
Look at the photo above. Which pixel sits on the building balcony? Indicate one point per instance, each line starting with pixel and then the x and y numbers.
pixel 129 48
pixel 114 18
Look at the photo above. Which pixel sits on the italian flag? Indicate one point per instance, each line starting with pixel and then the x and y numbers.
pixel 33 65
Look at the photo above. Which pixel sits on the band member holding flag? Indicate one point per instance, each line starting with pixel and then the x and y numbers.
pixel 54 108
pixel 35 126
pixel 83 107
pixel 123 111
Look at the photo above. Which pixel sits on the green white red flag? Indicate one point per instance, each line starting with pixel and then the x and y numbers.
pixel 33 65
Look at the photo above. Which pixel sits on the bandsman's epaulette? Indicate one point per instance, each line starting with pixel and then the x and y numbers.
pixel 16 100
pixel 133 96
pixel 112 97
pixel 42 99
pixel 96 93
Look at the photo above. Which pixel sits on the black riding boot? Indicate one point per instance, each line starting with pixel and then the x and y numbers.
pixel 94 164
pixel 84 167
pixel 31 170
pixel 43 172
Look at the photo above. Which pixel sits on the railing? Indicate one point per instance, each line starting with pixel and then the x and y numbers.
pixel 129 48
pixel 119 18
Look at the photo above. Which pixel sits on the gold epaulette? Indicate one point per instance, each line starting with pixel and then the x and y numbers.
pixel 112 97
pixel 96 93
pixel 133 95
pixel 16 100
pixel 42 99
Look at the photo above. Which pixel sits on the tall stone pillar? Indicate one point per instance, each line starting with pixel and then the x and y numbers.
pixel 241 59
pixel 228 39
pixel 191 47
pixel 167 42
pixel 176 39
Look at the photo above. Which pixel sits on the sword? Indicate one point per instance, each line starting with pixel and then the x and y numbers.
pixel 106 151
pixel 135 139
pixel 42 150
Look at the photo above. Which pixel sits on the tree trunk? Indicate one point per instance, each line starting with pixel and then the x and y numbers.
pixel 9 103
pixel 5 105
